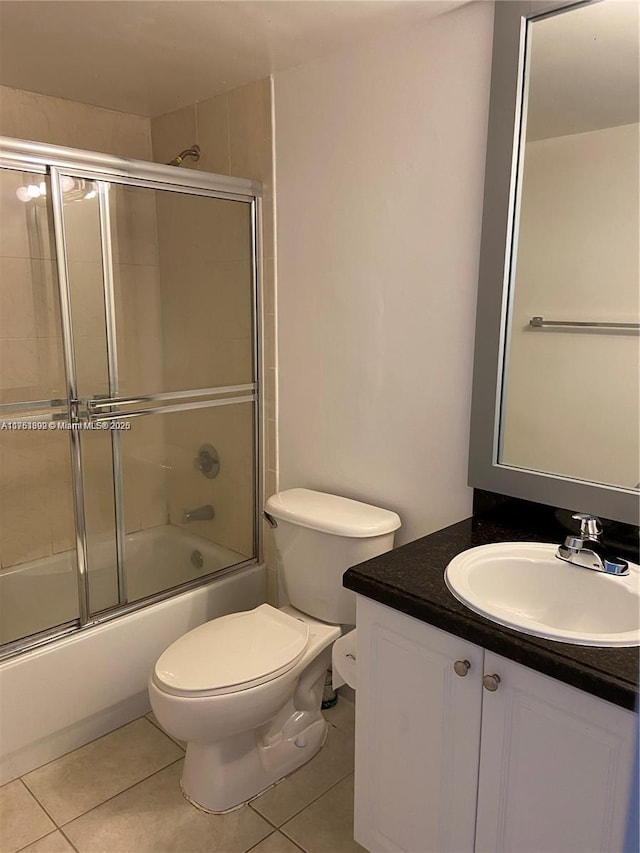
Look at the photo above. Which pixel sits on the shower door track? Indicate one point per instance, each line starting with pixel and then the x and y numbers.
pixel 82 412
pixel 39 157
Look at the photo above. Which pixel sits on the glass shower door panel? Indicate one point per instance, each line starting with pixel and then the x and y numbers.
pixel 183 280
pixel 31 360
pixel 38 579
pixel 38 586
pixel 85 259
pixel 100 520
pixel 81 210
pixel 180 523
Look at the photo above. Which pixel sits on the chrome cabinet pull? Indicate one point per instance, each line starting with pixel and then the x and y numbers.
pixel 461 667
pixel 491 682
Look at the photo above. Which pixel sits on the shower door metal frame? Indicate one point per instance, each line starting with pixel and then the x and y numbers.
pixel 57 161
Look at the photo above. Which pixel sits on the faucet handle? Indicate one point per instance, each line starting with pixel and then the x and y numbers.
pixel 590 525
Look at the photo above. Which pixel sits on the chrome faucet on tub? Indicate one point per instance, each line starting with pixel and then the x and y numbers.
pixel 201 513
pixel 587 549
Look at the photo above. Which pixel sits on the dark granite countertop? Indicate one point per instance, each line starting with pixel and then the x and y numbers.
pixel 411 579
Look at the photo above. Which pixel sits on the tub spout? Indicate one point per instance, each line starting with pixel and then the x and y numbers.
pixel 201 513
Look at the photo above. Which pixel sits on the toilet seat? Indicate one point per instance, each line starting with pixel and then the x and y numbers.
pixel 232 653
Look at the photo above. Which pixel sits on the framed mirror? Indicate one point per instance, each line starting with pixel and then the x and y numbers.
pixel 556 395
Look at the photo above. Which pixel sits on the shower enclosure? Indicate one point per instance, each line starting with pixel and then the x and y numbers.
pixel 128 386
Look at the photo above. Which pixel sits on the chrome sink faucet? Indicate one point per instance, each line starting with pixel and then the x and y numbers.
pixel 587 549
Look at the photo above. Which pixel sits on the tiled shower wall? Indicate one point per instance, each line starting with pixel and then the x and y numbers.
pixel 39 118
pixel 234 132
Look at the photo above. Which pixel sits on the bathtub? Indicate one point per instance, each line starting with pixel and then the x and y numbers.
pixel 43 593
pixel 62 695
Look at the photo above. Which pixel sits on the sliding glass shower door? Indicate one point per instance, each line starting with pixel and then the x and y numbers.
pixel 143 355
pixel 161 296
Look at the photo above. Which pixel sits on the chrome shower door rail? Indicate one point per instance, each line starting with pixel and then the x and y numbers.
pixel 123 415
pixel 97 403
pixel 57 205
pixel 40 157
pixel 104 211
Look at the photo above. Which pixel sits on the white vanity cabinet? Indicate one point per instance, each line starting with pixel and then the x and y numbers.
pixel 447 765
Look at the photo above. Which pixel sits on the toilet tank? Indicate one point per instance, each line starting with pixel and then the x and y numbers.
pixel 318 537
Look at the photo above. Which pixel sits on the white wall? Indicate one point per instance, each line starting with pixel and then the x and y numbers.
pixel 379 179
pixel 578 255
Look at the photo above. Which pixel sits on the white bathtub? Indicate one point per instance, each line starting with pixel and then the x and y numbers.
pixel 43 593
pixel 73 690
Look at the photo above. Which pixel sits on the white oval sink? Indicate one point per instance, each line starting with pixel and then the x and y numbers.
pixel 524 586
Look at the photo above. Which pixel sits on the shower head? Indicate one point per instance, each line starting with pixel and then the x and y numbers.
pixel 193 152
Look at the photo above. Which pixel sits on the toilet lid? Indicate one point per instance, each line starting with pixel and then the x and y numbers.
pixel 232 653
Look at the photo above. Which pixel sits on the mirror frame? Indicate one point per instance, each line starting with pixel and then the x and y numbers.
pixel 500 193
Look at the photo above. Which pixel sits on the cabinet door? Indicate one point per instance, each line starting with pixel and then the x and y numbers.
pixel 417 735
pixel 555 766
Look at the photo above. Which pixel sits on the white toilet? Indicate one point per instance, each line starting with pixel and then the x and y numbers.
pixel 244 690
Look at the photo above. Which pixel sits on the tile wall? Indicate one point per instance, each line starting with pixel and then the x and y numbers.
pixel 40 118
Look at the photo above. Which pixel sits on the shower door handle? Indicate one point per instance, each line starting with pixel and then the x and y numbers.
pixel 98 407
pixel 78 411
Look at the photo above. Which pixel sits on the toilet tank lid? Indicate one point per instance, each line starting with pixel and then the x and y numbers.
pixel 331 514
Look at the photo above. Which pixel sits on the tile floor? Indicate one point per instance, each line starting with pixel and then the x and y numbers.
pixel 120 794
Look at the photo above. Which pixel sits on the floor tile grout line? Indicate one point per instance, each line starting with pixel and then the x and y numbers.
pixel 50 816
pixel 270 822
pixel 128 788
pixel 69 841
pixel 253 846
pixel 160 729
pixel 289 838
pixel 271 834
pixel 35 840
pixel 295 843
pixel 306 806
pixel 46 835
pixel 315 800
pixel 298 843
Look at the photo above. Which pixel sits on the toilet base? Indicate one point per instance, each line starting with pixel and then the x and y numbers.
pixel 249 768
pixel 243 742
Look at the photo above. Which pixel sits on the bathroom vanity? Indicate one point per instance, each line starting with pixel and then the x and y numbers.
pixel 472 736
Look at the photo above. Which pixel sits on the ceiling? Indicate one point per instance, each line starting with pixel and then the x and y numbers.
pixel 585 69
pixel 149 57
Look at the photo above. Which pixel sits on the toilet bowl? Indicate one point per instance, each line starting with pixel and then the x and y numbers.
pixel 244 691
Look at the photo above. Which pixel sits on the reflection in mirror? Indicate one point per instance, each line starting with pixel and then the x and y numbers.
pixel 570 397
